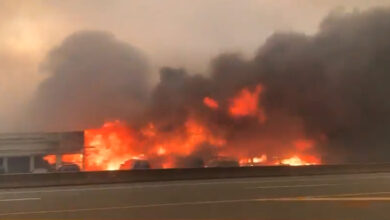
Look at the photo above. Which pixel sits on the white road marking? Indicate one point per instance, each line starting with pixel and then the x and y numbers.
pixel 331 199
pixel 231 181
pixel 354 194
pixel 128 207
pixel 19 199
pixel 294 186
pixel 293 199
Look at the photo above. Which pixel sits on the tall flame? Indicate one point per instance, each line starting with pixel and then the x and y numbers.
pixel 109 146
pixel 112 146
pixel 246 103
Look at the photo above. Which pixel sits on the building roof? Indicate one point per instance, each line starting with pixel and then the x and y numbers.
pixel 27 144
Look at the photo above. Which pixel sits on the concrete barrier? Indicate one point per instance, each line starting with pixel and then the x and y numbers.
pixel 107 177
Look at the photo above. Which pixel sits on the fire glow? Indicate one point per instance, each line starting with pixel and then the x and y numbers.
pixel 113 145
pixel 211 103
pixel 246 103
pixel 298 161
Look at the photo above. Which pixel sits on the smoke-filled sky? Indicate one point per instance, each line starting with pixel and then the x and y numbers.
pixel 177 33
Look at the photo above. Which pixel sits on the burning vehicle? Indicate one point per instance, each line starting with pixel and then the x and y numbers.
pixel 70 167
pixel 223 162
pixel 135 164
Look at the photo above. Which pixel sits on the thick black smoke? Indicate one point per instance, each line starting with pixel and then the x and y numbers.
pixel 334 83
pixel 331 87
pixel 93 77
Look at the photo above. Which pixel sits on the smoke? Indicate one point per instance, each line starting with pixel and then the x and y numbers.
pixel 330 87
pixel 336 81
pixel 93 77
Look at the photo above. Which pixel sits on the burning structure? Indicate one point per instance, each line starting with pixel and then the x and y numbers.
pixel 300 100
pixel 23 153
pixel 199 139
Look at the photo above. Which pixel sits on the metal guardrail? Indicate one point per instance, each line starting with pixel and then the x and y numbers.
pixel 132 176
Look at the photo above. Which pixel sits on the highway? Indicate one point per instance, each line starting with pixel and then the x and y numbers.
pixel 357 196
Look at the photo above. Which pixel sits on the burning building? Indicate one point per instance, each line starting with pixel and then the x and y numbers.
pixel 24 152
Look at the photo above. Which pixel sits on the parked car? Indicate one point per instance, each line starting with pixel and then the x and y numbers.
pixel 69 168
pixel 135 164
pixel 189 162
pixel 223 162
pixel 40 170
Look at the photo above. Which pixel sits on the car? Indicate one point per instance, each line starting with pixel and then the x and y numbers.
pixel 189 162
pixel 69 168
pixel 135 164
pixel 40 170
pixel 223 162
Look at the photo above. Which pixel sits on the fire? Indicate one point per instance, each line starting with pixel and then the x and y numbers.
pixel 110 146
pixel 114 145
pixel 302 147
pixel 51 159
pixel 254 161
pixel 66 158
pixel 149 130
pixel 246 103
pixel 290 161
pixel 298 161
pixel 211 103
pixel 161 150
pixel 198 134
pixel 260 159
pixel 303 144
pixel 73 158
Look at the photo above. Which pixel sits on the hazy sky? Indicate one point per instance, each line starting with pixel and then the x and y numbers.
pixel 180 33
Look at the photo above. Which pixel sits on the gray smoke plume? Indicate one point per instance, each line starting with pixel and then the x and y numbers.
pixel 332 87
pixel 93 77
pixel 335 84
pixel 336 81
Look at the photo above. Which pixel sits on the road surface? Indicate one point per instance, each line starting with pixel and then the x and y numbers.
pixel 360 196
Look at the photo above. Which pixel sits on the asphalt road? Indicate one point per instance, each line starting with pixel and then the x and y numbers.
pixel 363 196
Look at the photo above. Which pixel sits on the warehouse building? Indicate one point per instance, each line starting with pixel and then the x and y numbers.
pixel 24 152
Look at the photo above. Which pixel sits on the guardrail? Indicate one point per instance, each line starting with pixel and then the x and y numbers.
pixel 132 176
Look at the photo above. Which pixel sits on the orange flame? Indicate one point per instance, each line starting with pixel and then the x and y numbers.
pixel 112 146
pixel 161 151
pixel 211 103
pixel 246 103
pixel 300 161
pixel 254 161
pixel 109 147
pixel 303 144
pixel 73 158
pixel 51 159
pixel 66 158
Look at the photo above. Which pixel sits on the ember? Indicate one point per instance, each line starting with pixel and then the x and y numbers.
pixel 211 103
